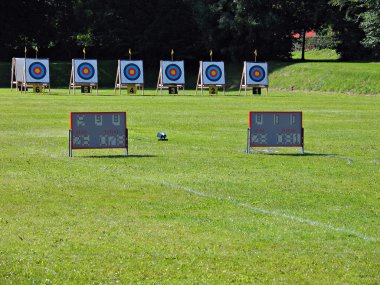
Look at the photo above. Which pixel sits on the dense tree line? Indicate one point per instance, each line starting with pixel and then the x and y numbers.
pixel 233 29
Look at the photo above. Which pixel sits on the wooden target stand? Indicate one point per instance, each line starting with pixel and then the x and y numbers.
pixel 256 88
pixel 213 88
pixel 130 87
pixel 21 84
pixel 173 88
pixel 85 87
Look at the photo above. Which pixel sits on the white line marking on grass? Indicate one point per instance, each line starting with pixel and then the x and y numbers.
pixel 272 212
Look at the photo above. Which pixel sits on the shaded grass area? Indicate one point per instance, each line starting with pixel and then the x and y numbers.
pixel 194 209
pixel 323 54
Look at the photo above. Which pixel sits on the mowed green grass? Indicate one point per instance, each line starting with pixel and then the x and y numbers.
pixel 194 209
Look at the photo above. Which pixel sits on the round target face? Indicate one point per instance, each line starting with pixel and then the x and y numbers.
pixel 213 72
pixel 86 71
pixel 173 72
pixel 37 70
pixel 257 73
pixel 132 71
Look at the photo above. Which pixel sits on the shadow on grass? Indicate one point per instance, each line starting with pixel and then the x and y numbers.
pixel 118 156
pixel 302 154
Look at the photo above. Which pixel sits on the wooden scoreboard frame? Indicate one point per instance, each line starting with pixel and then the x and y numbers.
pixel 300 130
pixel 72 129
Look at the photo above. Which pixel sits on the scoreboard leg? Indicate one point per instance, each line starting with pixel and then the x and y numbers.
pixel 126 142
pixel 302 142
pixel 70 146
pixel 248 140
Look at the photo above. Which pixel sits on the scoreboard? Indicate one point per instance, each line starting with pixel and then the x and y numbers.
pixel 275 129
pixel 93 130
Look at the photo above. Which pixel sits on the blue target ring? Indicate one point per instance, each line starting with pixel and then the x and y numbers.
pixel 173 72
pixel 213 72
pixel 37 70
pixel 257 73
pixel 86 71
pixel 132 72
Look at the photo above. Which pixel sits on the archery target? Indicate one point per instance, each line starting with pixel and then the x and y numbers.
pixel 85 70
pixel 37 70
pixel 131 71
pixel 257 73
pixel 213 73
pixel 173 72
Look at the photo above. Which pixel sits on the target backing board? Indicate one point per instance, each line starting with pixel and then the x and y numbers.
pixel 37 70
pixel 213 73
pixel 256 73
pixel 131 71
pixel 173 72
pixel 85 71
pixel 19 64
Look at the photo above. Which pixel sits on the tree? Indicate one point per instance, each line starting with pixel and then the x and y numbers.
pixel 357 25
pixel 370 24
pixel 307 15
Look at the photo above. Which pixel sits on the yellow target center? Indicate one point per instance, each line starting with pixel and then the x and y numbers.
pixel 132 72
pixel 173 72
pixel 85 71
pixel 37 70
pixel 213 72
pixel 257 73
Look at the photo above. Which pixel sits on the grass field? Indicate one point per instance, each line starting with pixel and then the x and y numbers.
pixel 194 209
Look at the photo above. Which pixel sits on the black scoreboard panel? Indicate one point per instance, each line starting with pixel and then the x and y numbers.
pixel 99 130
pixel 276 129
